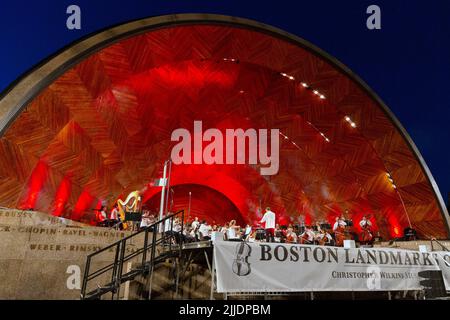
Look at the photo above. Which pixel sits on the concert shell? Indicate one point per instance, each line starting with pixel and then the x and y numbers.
pixel 93 123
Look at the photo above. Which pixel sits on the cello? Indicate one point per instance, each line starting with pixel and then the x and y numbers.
pixel 339 234
pixel 366 233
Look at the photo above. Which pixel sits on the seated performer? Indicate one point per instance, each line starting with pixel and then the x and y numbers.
pixel 102 217
pixel 291 236
pixel 233 232
pixel 114 218
pixel 205 231
pixel 324 238
pixel 145 221
pixel 308 236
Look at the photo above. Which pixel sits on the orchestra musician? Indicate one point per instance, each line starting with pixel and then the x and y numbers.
pixel 366 232
pixel 234 231
pixel 324 238
pixel 115 217
pixel 195 226
pixel 269 220
pixel 102 217
pixel 291 236
pixel 339 230
pixel 247 232
pixel 308 236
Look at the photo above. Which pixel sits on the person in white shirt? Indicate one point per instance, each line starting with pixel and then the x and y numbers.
pixel 205 231
pixel 247 232
pixel 233 231
pixel 195 226
pixel 310 235
pixel 115 218
pixel 365 223
pixel 324 237
pixel 145 222
pixel 366 232
pixel 291 236
pixel 339 223
pixel 269 224
pixel 114 215
pixel 224 231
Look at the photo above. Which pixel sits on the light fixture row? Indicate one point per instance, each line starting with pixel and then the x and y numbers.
pixel 350 121
pixel 391 180
pixel 287 138
pixel 231 60
pixel 304 85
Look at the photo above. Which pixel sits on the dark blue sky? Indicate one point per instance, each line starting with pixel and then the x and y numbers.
pixel 407 62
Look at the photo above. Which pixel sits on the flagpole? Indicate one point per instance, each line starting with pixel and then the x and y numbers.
pixel 189 208
pixel 169 162
pixel 161 208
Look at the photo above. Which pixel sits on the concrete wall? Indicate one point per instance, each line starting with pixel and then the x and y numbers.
pixel 37 251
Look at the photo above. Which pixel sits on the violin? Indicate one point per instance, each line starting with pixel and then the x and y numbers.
pixel 241 266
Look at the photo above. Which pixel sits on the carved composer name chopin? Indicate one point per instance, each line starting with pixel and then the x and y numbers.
pixel 237 147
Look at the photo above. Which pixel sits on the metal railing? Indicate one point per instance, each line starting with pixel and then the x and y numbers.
pixel 111 274
pixel 439 243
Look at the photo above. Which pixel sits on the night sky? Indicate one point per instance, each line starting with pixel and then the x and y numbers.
pixel 407 62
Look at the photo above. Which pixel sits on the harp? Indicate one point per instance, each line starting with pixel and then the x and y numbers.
pixel 131 204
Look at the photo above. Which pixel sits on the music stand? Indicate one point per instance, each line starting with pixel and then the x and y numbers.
pixel 325 226
pixel 260 234
pixel 133 216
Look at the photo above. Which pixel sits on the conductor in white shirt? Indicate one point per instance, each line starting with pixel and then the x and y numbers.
pixel 269 220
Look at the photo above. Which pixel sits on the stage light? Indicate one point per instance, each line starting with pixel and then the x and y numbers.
pixel 291 78
pixel 327 140
pixel 322 96
pixel 316 92
pixel 347 118
pixel 353 125
pixel 304 85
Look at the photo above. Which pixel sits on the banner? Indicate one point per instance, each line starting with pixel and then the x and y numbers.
pixel 443 260
pixel 275 267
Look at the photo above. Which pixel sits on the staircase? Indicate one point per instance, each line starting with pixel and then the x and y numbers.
pixel 136 255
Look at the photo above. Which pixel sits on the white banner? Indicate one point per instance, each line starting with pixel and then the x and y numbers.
pixel 443 260
pixel 264 267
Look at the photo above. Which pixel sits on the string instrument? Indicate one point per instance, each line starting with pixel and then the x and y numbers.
pixel 290 238
pixel 340 235
pixel 304 238
pixel 131 204
pixel 241 266
pixel 366 233
pixel 324 240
